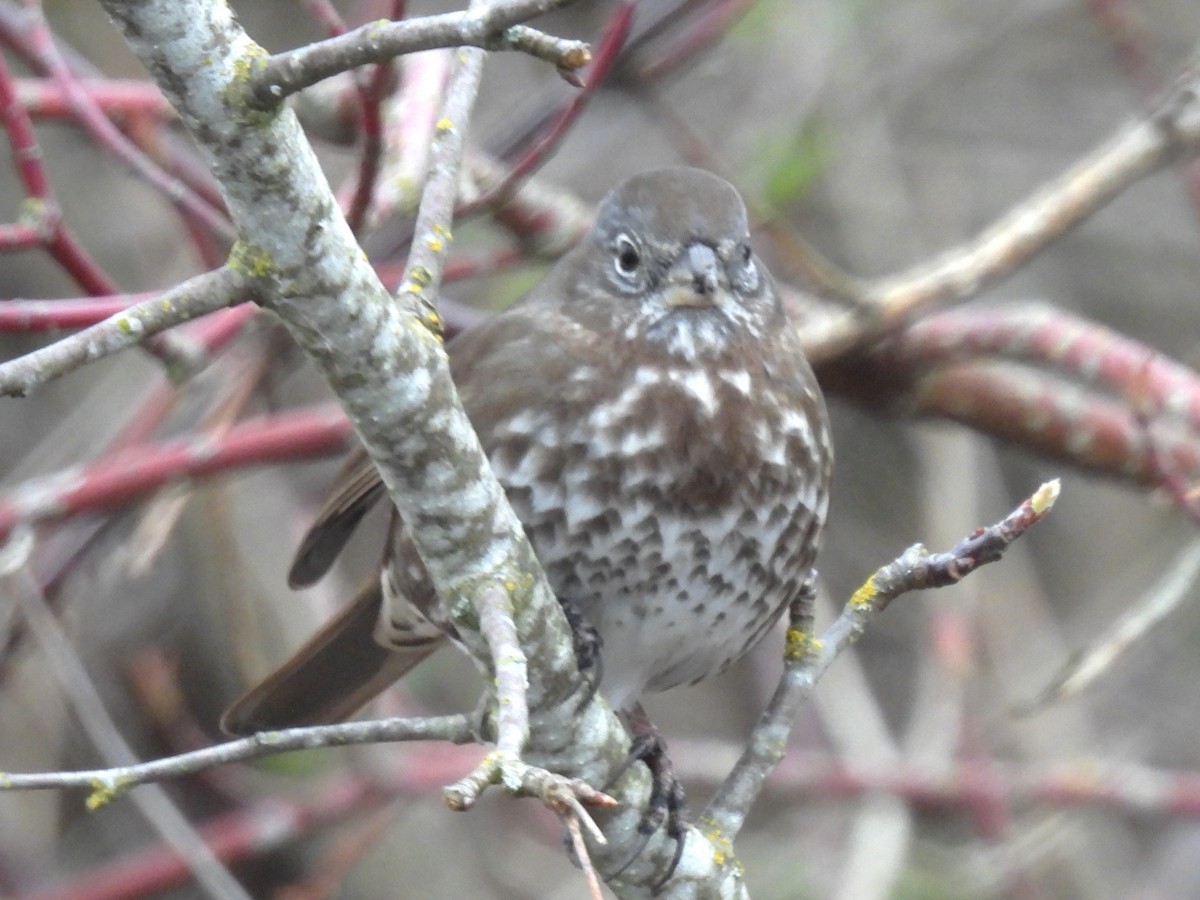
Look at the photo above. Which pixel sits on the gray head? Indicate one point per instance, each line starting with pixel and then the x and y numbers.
pixel 670 257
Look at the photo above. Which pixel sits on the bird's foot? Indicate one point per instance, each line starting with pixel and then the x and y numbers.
pixel 667 805
pixel 587 645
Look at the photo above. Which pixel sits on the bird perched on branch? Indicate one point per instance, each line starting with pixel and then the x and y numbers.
pixel 659 433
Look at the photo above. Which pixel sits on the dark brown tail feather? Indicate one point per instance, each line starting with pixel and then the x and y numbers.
pixel 339 670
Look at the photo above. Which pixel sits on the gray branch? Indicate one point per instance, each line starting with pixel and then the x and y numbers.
pixel 195 297
pixel 492 28
pixel 105 785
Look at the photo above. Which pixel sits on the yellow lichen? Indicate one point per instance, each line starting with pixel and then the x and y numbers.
pixel 865 595
pixel 104 793
pixel 250 260
pixel 798 644
pixel 721 844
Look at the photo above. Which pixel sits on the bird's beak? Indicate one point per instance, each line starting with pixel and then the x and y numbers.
pixel 695 278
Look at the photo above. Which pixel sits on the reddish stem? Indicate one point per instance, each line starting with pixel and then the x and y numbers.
pixel 43 98
pixel 127 475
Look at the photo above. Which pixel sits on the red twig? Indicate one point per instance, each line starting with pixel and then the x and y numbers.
pixel 43 98
pixel 1082 783
pixel 1050 416
pixel 712 25
pixel 40 43
pixel 53 233
pixel 1055 338
pixel 130 474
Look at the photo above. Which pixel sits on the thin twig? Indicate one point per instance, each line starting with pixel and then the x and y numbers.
pixel 511 675
pixel 608 50
pixel 1090 664
pixel 107 784
pixel 432 230
pixel 88 705
pixel 107 135
pixel 41 212
pixel 198 296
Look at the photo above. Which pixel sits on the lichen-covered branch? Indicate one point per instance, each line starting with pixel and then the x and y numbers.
pixel 807 656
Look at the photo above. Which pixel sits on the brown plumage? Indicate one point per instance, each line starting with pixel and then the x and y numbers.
pixel 656 427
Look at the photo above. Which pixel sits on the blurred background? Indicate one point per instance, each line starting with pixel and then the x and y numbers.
pixel 881 133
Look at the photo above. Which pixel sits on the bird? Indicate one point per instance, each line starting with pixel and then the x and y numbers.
pixel 649 411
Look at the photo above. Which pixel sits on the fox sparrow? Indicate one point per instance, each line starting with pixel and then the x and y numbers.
pixel 659 433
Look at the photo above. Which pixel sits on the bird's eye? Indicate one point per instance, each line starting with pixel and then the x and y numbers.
pixel 628 259
pixel 747 254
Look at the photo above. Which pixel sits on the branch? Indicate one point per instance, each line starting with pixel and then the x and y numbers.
pixel 1042 379
pixel 807 657
pixel 1052 337
pixel 494 28
pixel 195 297
pixel 80 691
pixel 41 214
pixel 85 110
pixel 1168 133
pixel 106 785
pixel 1148 611
pixel 44 98
pixel 134 472
pixel 21 315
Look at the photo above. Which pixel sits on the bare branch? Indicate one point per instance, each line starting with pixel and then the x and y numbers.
pixel 807 657
pixel 107 784
pixel 155 804
pixel 1043 379
pixel 1160 600
pixel 134 472
pixel 198 296
pixel 494 28
pixel 1170 132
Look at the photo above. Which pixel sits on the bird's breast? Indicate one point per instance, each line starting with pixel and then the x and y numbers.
pixel 677 507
